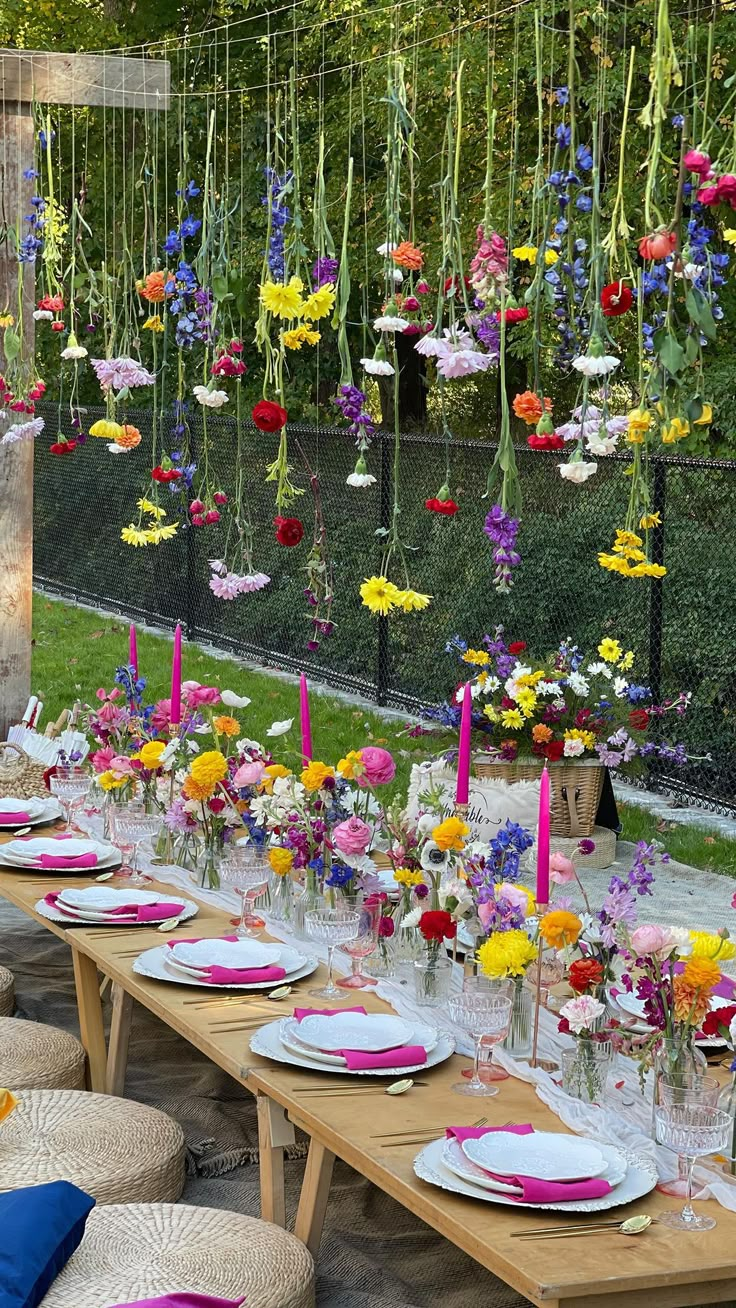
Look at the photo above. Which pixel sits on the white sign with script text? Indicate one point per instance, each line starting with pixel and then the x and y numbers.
pixel 491 802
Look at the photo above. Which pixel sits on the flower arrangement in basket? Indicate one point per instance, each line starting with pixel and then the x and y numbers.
pixel 577 713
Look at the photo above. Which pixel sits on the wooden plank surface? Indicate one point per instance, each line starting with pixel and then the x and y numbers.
pixel 115 81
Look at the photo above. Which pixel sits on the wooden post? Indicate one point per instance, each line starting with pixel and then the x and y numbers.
pixel 25 76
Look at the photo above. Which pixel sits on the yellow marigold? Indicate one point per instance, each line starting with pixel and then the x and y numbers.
pixel 209 768
pixel 110 781
pixel 691 1003
pixel 451 833
pixel 513 719
pixel 281 860
pixel 525 253
pixel 283 301
pixel 560 928
pixel 150 754
pixel 128 437
pixel 648 520
pixel 412 601
pixel 610 650
pixel 404 876
pixel 199 790
pixel 541 733
pixel 379 595
pixel 320 303
pixel 477 656
pixel 708 945
pixel 701 973
pixel 226 725
pixel 109 431
pixel 315 775
pixel 351 765
pixel 506 953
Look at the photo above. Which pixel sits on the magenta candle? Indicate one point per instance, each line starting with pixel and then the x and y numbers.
pixel 463 759
pixel 175 715
pixel 543 840
pixel 306 724
pixel 133 651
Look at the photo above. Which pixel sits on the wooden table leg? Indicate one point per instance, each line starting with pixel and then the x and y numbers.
pixel 275 1132
pixel 315 1193
pixel 117 1049
pixel 91 1027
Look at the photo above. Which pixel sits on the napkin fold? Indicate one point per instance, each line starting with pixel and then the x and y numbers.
pixel 58 861
pixel 358 1060
pixel 14 819
pixel 154 912
pixel 232 976
pixel 300 1013
pixel 533 1190
pixel 184 1299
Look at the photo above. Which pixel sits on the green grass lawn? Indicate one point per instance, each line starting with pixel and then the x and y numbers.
pixel 75 651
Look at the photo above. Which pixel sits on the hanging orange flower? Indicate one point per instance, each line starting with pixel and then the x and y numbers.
pixel 129 437
pixel 153 287
pixel 408 256
pixel 528 407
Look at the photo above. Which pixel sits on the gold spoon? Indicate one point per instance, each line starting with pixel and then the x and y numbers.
pixel 631 1226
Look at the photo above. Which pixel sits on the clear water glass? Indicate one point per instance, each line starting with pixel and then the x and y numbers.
pixel 244 867
pixel 70 785
pixel 693 1088
pixel 691 1131
pixel 332 927
pixel 485 1015
pixel 133 826
pixel 364 944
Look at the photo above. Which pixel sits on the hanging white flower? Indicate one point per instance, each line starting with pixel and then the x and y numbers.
pixel 578 471
pixel 360 480
pixel 74 350
pixel 114 448
pixel 43 315
pixel 430 346
pixel 384 249
pixel 210 399
pixel 601 445
pixel 596 363
pixel 390 323
pixel 398 276
pixel 378 367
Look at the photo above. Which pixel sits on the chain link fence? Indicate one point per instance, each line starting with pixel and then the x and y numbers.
pixel 683 628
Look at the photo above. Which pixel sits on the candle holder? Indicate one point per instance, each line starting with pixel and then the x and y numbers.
pixel 541 910
pixel 461 811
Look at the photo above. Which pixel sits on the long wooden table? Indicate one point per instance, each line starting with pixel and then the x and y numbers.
pixel 662 1268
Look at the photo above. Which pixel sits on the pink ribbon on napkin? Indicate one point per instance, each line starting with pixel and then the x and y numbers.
pixel 138 912
pixel 14 819
pixel 533 1190
pixel 359 1060
pixel 232 976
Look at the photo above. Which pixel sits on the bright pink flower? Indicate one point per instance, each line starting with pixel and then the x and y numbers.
pixel 708 195
pixel 109 713
pixel 726 188
pixel 161 716
pixel 197 695
pixel 561 869
pixel 122 765
pixel 353 836
pixel 102 758
pixel 102 693
pixel 697 162
pixel 249 774
pixel 378 767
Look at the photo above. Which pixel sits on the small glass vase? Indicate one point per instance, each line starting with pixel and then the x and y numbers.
pixel 432 979
pixel 518 1042
pixel 727 1102
pixel 305 899
pixel 209 869
pixel 585 1069
pixel 677 1058
pixel 280 898
pixel 383 962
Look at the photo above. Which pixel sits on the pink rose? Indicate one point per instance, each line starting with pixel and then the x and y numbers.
pixel 697 162
pixel 122 765
pixel 726 186
pixel 249 774
pixel 197 695
pixel 102 758
pixel 378 767
pixel 161 716
pixel 708 195
pixel 647 940
pixel 561 869
pixel 353 836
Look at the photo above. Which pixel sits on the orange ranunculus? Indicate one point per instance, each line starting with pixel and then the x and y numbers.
pixel 541 734
pixel 528 406
pixel 408 256
pixel 129 437
pixel 153 287
pixel 226 725
pixel 560 928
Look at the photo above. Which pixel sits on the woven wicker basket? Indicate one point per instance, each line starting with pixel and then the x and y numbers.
pixel 20 776
pixel 575 790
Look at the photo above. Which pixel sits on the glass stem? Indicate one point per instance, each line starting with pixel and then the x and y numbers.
pixel 330 952
pixel 243 910
pixel 476 1081
pixel 355 965
pixel 688 1214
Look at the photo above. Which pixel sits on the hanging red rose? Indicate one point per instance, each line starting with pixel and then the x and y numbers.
pixel 437 924
pixel 166 475
pixel 62 447
pixel 269 416
pixel 658 245
pixel 447 507
pixel 616 299
pixel 289 531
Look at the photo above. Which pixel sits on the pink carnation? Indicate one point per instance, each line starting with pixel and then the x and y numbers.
pixel 378 767
pixel 353 836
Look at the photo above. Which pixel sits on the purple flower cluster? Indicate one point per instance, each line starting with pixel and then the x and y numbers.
pixel 488 332
pixel 32 242
pixel 324 271
pixel 502 530
pixel 351 402
pixel 280 215
pixel 619 906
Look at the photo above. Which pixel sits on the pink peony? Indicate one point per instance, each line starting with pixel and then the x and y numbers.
pixel 353 836
pixel 249 774
pixel 102 758
pixel 647 940
pixel 378 767
pixel 122 765
pixel 197 695
pixel 561 870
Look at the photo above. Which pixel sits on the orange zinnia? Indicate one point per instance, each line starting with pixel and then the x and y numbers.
pixel 226 725
pixel 541 734
pixel 153 287
pixel 129 437
pixel 528 406
pixel 691 1003
pixel 408 256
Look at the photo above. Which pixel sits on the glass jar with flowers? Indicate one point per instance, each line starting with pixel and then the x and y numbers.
pixel 433 972
pixel 507 954
pixel 585 1068
pixel 280 885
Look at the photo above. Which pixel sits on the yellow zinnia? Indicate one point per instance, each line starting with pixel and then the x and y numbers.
pixel 412 601
pixel 209 768
pixel 451 833
pixel 476 656
pixel 403 876
pixel 320 302
pixel 379 595
pixel 281 860
pixel 351 766
pixel 154 324
pixel 106 429
pixel 315 775
pixel 150 754
pixel 283 301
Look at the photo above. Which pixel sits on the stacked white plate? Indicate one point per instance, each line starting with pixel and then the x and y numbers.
pixel 313 1042
pixel 546 1156
pixel 185 962
pixel 39 810
pixel 629 1006
pixel 98 904
pixel 27 854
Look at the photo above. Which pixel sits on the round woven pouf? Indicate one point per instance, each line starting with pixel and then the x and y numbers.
pixel 7 992
pixel 36 1057
pixel 141 1251
pixel 117 1150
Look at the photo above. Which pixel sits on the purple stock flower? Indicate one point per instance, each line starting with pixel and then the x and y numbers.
pixel 324 271
pixel 502 530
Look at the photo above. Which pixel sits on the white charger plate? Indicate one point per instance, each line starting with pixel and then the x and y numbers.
pixel 100 899
pixel 88 917
pixel 543 1155
pixel 419 1034
pixel 458 1162
pixel 368 1032
pixel 40 811
pixel 37 845
pixel 104 864
pixel 226 953
pixel 640 1179
pixel 268 1042
pixel 154 963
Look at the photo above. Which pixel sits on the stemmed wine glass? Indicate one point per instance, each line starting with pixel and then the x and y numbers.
pixel 245 869
pixel 133 825
pixel 70 785
pixel 691 1130
pixel 364 944
pixel 331 927
pixel 484 1014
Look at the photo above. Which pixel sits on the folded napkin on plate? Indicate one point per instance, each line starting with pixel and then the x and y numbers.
pixel 232 976
pixel 183 1299
pixel 17 818
pixel 300 1013
pixel 534 1191
pixel 357 1059
pixel 194 940
pixel 58 861
pixel 138 912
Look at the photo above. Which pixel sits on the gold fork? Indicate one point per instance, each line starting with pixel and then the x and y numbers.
pixel 421 1136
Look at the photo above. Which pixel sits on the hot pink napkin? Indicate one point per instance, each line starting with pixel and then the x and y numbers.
pixel 14 819
pixel 137 912
pixel 194 940
pixel 233 976
pixel 534 1191
pixel 359 1061
pixel 300 1013
pixel 183 1299
pixel 58 861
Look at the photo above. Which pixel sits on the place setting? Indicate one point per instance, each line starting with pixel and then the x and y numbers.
pixel 106 906
pixel 59 853
pixel 15 814
pixel 352 1042
pixel 225 963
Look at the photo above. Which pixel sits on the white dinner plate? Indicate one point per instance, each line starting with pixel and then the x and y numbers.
pixel 226 953
pixel 87 917
pixel 368 1032
pixel 154 963
pixel 640 1179
pixel 268 1042
pixel 544 1155
pixel 40 811
pixel 419 1034
pixel 111 858
pixel 458 1162
pixel 100 899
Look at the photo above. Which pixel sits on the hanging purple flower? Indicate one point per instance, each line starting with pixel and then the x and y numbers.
pixel 502 530
pixel 324 272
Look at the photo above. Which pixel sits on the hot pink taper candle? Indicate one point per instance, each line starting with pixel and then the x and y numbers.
pixel 306 724
pixel 463 759
pixel 133 651
pixel 543 840
pixel 175 715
